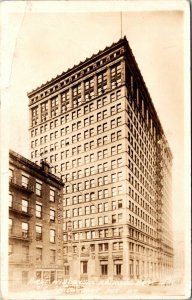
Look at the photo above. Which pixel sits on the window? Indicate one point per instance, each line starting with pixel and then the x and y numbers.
pixel 106 206
pixel 104 140
pixel 10 225
pixel 25 229
pixel 118 107
pixel 92 221
pixel 105 179
pixel 113 164
pixel 115 246
pixel 100 195
pixel 113 191
pixel 112 110
pixel 38 211
pixel 113 205
pixel 52 235
pixel 120 203
pixel 39 255
pixel 113 125
pixel 103 247
pixel 106 233
pixel 112 97
pixel 92 183
pixel 120 217
pixel 105 193
pixel 118 121
pixel 113 137
pixel 99 116
pixel 84 267
pixel 24 181
pixel 101 82
pixel 105 219
pixel 52 195
pixel 86 122
pixel 104 268
pixel 87 210
pixel 52 215
pixel 113 178
pixel 87 223
pixel 100 221
pixel 80 211
pixel 100 168
pixel 119 135
pixel 52 256
pixel 10 200
pixel 99 103
pixel 91 170
pixel 38 230
pixel 105 166
pixel 38 188
pixel 117 268
pixel 25 205
pixel 100 181
pixel 119 162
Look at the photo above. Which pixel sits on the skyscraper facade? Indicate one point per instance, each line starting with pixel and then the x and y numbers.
pixel 97 126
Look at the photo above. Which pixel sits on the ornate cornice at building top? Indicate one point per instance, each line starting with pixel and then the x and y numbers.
pixel 91 64
pixel 81 68
pixel 18 158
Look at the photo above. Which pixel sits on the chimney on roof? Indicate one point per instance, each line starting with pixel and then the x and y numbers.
pixel 45 166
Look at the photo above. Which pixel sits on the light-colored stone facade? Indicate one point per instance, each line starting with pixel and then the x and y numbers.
pixel 96 125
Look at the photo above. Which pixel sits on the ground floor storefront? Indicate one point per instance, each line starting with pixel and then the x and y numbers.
pixel 116 268
pixel 21 277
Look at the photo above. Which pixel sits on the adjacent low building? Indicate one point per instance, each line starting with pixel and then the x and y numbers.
pixel 35 223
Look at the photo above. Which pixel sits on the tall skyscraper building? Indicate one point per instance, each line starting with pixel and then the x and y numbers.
pixel 97 126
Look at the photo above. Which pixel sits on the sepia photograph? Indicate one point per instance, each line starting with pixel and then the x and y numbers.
pixel 95 150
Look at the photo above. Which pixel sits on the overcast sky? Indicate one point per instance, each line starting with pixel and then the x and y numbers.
pixel 40 45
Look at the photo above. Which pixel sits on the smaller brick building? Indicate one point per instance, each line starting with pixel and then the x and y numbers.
pixel 35 223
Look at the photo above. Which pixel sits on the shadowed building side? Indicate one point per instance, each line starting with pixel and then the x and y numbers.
pixel 35 223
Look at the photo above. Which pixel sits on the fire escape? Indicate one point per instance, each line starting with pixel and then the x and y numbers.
pixel 159 195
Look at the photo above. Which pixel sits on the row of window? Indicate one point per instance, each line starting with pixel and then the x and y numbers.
pixel 149 176
pixel 25 180
pixel 134 208
pixel 138 117
pixel 106 166
pixel 80 136
pixel 65 106
pixel 102 247
pixel 24 207
pixel 136 222
pixel 141 181
pixel 81 124
pixel 101 194
pixel 83 148
pixel 25 231
pixel 92 234
pixel 13 255
pixel 142 237
pixel 139 189
pixel 139 135
pixel 138 160
pixel 115 204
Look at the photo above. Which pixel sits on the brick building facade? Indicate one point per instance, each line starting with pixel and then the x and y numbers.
pixel 35 223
